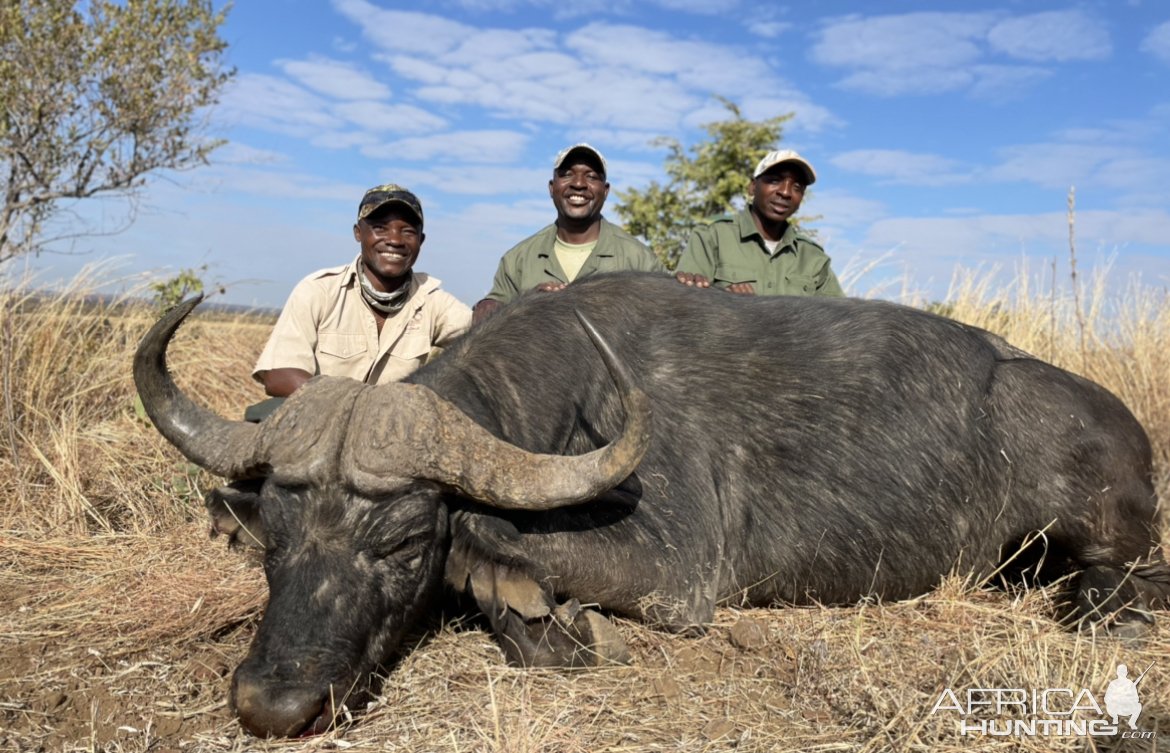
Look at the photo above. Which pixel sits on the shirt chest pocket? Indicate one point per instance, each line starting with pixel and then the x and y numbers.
pixel 731 273
pixel 337 346
pixel 801 284
pixel 411 346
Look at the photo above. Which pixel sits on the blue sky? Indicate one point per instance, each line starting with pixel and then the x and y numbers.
pixel 939 137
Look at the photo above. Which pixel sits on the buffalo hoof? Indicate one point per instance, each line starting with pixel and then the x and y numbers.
pixel 606 644
pixel 570 638
pixel 1111 599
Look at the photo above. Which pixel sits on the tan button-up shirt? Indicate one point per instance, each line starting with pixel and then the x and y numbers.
pixel 326 328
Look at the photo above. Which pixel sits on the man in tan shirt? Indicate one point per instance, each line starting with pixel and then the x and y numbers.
pixel 374 319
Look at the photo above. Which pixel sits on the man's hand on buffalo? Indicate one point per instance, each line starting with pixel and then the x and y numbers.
pixel 550 287
pixel 484 309
pixel 692 280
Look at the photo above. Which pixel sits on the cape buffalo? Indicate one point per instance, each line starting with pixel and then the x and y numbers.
pixel 767 451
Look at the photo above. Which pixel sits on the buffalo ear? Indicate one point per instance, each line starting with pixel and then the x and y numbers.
pixel 235 512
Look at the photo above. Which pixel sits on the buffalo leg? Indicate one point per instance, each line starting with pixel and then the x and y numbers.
pixel 532 629
pixel 571 637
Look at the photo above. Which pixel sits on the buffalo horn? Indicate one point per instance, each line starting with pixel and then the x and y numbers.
pixel 226 448
pixel 464 455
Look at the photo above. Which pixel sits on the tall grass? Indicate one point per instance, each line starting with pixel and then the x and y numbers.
pixel 76 455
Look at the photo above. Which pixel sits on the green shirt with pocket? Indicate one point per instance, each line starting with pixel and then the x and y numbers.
pixel 730 249
pixel 534 260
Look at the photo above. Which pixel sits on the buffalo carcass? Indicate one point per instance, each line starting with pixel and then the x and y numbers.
pixel 780 450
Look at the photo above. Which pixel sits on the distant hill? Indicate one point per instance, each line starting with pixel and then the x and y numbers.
pixel 112 302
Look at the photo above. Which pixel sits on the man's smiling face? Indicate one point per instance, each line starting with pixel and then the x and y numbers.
pixel 578 188
pixel 391 241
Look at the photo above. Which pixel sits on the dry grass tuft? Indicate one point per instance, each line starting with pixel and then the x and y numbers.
pixel 123 623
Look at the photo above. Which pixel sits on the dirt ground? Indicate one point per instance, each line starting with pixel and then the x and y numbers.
pixel 850 679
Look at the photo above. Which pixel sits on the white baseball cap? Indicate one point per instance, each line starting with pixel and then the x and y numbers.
pixel 771 159
pixel 563 154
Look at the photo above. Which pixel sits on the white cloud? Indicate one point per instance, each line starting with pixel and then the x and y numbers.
pixel 1055 165
pixel 768 29
pixel 1157 42
pixel 892 166
pixel 1053 35
pixel 1005 82
pixel 404 31
pixel 343 139
pixel 491 45
pixel 281 106
pixel 936 52
pixel 707 7
pixel 1134 173
pixel 334 78
pixel 1006 236
pixel 611 76
pixel 460 146
pixel 607 97
pixel 618 138
pixel 235 153
pixel 275 104
pixel 282 184
pixel 901 42
pixel 913 53
pixel 839 209
pixel 477 180
pixel 893 82
pixel 381 116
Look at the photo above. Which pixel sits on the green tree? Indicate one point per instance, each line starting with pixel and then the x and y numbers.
pixel 172 291
pixel 706 182
pixel 94 96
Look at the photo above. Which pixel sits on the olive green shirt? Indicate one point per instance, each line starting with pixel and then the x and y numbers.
pixel 533 260
pixel 730 249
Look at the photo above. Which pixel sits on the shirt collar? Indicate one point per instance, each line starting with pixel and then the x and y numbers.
pixel 417 279
pixel 747 229
pixel 601 249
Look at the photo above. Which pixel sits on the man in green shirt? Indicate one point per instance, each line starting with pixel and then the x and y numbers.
pixel 758 251
pixel 580 243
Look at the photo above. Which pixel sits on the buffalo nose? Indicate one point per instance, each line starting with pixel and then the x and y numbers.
pixel 268 712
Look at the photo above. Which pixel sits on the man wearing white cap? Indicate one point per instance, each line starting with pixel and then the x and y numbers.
pixel 580 243
pixel 758 251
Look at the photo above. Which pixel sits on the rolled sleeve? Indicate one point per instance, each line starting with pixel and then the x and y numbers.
pixel 293 342
pixel 452 318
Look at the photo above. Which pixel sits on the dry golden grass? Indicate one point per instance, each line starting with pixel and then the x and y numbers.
pixel 122 622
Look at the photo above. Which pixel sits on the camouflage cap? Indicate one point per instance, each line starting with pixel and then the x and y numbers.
pixel 563 154
pixel 771 159
pixel 389 193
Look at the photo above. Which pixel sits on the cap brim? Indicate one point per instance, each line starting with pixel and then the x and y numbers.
pixel 593 155
pixel 368 209
pixel 810 177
